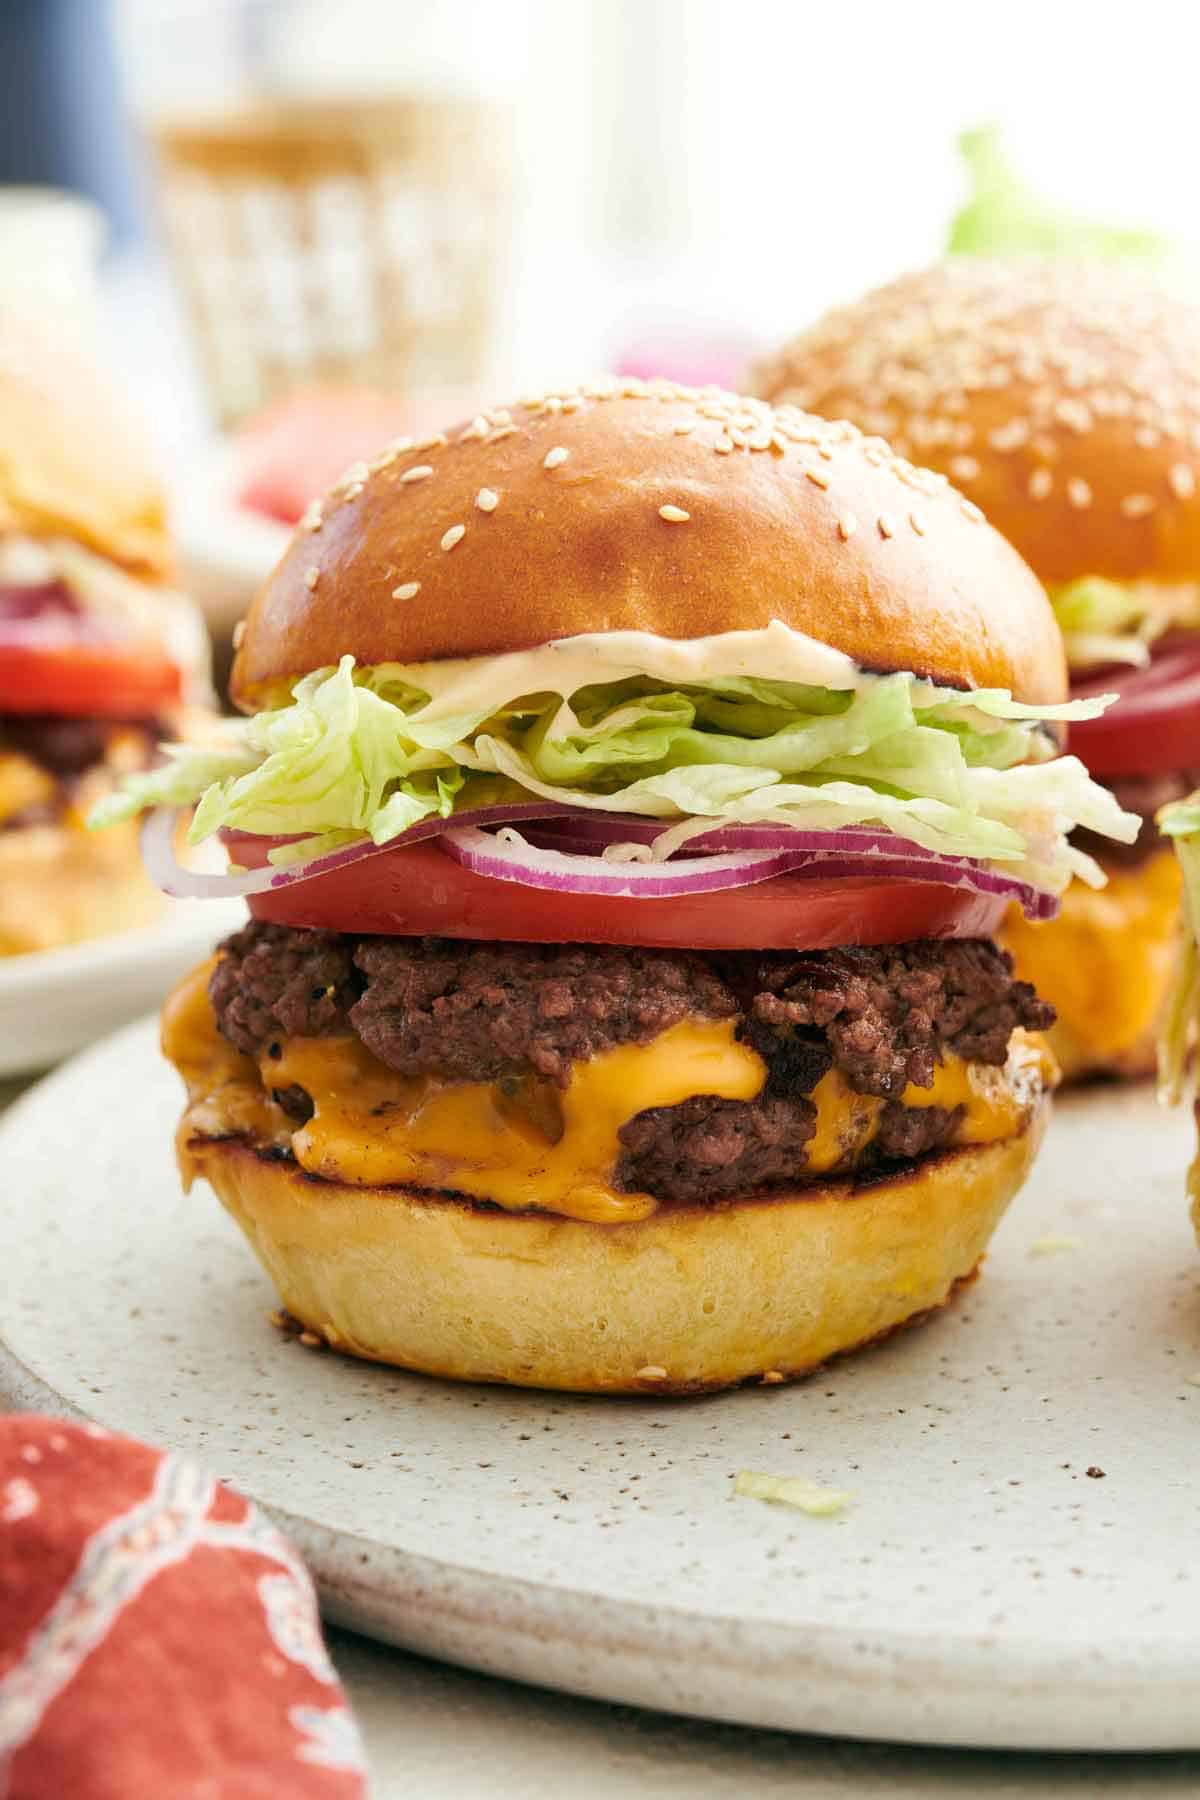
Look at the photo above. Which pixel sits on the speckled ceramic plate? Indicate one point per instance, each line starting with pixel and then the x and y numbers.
pixel 988 1585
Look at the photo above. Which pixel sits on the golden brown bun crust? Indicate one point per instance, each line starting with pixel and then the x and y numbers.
pixel 60 885
pixel 788 518
pixel 1063 398
pixel 71 461
pixel 709 1296
pixel 1107 963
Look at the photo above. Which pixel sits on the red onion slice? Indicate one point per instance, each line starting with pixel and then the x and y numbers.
pixel 511 858
pixel 569 858
pixel 504 858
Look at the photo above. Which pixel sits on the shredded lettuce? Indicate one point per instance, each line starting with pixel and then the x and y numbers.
pixel 1006 217
pixel 1106 621
pixel 353 755
pixel 1181 1026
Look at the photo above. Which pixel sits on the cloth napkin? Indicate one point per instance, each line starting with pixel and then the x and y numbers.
pixel 159 1640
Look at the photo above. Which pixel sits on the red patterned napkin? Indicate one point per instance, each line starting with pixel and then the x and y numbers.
pixel 159 1639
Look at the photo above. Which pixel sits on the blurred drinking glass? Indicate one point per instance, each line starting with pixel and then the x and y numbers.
pixel 336 197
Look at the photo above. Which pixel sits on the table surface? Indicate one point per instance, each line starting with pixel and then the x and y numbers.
pixel 448 1734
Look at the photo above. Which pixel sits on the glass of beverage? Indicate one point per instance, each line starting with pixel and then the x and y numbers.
pixel 337 208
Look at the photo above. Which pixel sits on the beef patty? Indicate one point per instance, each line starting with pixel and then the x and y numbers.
pixel 884 1016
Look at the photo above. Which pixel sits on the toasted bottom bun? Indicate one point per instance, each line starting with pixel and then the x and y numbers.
pixel 691 1298
pixel 60 884
pixel 1107 964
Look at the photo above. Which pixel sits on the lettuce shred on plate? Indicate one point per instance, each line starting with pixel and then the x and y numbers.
pixel 1181 822
pixel 792 1490
pixel 360 752
pixel 1006 217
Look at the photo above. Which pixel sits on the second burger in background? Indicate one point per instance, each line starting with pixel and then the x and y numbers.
pixel 1064 398
pixel 634 781
pixel 98 654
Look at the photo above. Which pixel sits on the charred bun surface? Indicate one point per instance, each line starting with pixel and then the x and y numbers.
pixel 1064 398
pixel 649 507
pixel 71 462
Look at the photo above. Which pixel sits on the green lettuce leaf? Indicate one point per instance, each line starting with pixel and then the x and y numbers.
pixel 353 755
pixel 1006 217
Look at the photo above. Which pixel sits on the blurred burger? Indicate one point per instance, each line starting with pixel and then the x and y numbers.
pixel 1064 398
pixel 634 780
pixel 97 653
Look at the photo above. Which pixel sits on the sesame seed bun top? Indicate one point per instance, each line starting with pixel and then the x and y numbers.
pixel 1064 398
pixel 72 464
pixel 649 507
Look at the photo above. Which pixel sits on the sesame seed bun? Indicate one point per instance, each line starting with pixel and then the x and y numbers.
pixel 1064 398
pixel 651 507
pixel 72 464
pixel 692 1298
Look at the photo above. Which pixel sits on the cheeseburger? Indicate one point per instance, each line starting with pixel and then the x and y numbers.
pixel 97 653
pixel 633 783
pixel 1064 398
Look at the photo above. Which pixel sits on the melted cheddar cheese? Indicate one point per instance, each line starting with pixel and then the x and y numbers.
pixel 526 1145
pixel 1106 962
pixel 23 785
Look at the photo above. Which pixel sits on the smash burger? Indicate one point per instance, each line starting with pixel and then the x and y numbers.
pixel 634 780
pixel 1065 399
pixel 97 653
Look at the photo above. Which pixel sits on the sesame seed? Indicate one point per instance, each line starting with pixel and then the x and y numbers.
pixel 887 525
pixel 417 473
pixel 310 1340
pixel 917 523
pixel 455 535
pixel 311 578
pixel 354 476
pixel 408 590
pixel 437 440
pixel 1182 480
pixel 555 458
pixel 723 445
pixel 674 515
pixel 1137 506
pixel 401 445
pixel 771 1378
pixel 487 500
pixel 847 525
pixel 239 632
pixel 681 427
pixel 817 477
pixel 1010 436
pixel 501 431
pixel 1079 493
pixel 651 1372
pixel 312 517
pixel 354 490
pixel 478 428
pixel 1147 438
pixel 964 468
pixel 1074 414
pixel 1040 483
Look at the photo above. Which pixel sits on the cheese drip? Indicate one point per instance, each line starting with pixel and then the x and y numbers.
pixel 525 1145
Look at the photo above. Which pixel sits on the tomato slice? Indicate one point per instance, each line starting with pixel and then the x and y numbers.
pixel 1154 727
pixel 419 889
pixel 55 659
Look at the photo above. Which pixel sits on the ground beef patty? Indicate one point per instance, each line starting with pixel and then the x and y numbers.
pixel 883 1016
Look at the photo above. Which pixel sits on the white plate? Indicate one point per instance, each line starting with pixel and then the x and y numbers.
pixel 982 1589
pixel 52 1002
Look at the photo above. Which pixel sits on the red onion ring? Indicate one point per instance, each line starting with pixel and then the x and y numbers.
pixel 571 861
